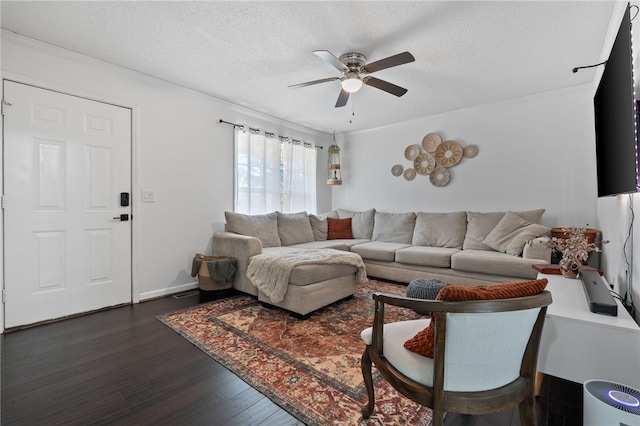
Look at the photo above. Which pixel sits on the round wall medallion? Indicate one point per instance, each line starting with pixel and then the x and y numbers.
pixel 424 163
pixel 448 153
pixel 440 176
pixel 411 152
pixel 431 141
pixel 397 170
pixel 470 151
pixel 409 174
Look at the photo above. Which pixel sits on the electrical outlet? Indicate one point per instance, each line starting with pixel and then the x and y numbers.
pixel 148 196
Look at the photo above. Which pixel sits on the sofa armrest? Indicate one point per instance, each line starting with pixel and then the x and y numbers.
pixel 538 248
pixel 241 247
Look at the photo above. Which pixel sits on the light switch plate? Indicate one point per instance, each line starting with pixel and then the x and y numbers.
pixel 148 196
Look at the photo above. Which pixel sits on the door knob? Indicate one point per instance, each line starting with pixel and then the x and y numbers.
pixel 122 217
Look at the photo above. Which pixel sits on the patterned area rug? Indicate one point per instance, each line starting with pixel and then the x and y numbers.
pixel 311 367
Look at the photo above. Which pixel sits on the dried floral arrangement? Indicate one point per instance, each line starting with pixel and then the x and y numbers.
pixel 576 245
pixel 575 249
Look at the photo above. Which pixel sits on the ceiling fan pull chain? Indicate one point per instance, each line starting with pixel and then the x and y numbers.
pixel 353 108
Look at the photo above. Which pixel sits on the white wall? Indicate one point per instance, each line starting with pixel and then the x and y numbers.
pixel 181 152
pixel 534 152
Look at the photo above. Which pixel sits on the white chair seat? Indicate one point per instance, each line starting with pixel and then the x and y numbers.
pixel 412 365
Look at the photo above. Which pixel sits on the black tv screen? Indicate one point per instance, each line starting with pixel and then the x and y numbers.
pixel 615 119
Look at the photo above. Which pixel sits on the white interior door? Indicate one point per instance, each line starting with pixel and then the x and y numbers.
pixel 66 161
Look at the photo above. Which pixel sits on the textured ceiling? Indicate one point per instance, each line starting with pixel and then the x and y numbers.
pixel 247 53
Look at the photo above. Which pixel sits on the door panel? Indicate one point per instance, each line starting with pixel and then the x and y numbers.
pixel 66 160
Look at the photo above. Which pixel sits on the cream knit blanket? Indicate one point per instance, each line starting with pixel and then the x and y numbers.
pixel 270 272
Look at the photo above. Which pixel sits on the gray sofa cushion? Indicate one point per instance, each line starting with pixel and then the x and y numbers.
pixel 479 225
pixel 361 223
pixel 309 274
pixel 439 257
pixel 294 228
pixel 378 250
pixel 261 226
pixel 512 233
pixel 393 227
pixel 494 263
pixel 440 229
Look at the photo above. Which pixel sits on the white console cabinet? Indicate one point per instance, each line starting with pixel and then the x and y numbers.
pixel 579 345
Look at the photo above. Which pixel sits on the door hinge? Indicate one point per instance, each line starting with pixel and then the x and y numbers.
pixel 2 202
pixel 4 295
pixel 4 104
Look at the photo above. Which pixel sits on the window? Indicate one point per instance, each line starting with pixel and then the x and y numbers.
pixel 273 173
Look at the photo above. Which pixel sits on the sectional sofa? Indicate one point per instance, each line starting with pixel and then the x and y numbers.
pixel 465 248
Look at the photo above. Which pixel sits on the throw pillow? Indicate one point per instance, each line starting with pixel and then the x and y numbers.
pixel 261 226
pixel 423 343
pixel 512 233
pixel 480 224
pixel 319 227
pixel 294 228
pixel 339 229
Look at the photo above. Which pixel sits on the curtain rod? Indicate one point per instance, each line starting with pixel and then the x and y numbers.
pixel 271 134
pixel 233 124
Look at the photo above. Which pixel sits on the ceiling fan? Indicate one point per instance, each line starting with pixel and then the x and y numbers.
pixel 353 65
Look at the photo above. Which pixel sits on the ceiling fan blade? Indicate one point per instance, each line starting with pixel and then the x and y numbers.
pixel 391 61
pixel 342 98
pixel 331 59
pixel 384 85
pixel 311 83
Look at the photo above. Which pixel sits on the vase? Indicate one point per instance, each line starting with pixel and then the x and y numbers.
pixel 569 268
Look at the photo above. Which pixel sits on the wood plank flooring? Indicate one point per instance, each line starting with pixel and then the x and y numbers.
pixel 124 367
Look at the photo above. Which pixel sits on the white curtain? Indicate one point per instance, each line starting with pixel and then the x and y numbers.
pixel 272 175
pixel 258 182
pixel 298 177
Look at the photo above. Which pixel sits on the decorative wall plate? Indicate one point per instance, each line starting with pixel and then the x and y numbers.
pixel 431 141
pixel 409 174
pixel 470 151
pixel 397 170
pixel 440 176
pixel 448 153
pixel 411 152
pixel 424 163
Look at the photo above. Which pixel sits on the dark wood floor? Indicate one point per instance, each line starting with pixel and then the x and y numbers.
pixel 123 366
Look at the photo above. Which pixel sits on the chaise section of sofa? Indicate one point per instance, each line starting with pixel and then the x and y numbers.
pixel 247 236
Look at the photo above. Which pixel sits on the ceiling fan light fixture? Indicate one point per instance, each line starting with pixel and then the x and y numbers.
pixel 352 83
pixel 352 65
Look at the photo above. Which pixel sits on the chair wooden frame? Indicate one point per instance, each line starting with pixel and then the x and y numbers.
pixel 519 392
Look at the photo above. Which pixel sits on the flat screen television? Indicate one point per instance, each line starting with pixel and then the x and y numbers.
pixel 616 119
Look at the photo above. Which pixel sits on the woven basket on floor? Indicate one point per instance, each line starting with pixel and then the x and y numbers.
pixel 204 278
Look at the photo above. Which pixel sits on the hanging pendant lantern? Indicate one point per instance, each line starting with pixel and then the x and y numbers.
pixel 333 164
